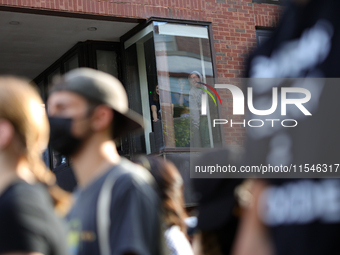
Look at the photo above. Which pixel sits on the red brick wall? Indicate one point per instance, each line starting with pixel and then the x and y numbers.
pixel 234 24
pixel 234 30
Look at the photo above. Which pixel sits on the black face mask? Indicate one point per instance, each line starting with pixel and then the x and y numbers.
pixel 61 138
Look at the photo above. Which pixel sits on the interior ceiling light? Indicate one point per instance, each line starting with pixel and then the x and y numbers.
pixel 14 22
pixel 92 28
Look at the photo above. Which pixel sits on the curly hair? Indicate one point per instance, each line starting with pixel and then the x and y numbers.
pixel 170 189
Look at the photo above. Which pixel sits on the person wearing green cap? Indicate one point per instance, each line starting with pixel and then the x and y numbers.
pixel 116 209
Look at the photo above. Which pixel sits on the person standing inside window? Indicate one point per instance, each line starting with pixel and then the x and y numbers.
pixel 155 105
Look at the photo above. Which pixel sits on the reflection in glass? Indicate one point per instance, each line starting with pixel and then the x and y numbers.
pixel 52 75
pixel 198 124
pixel 184 61
pixel 71 64
pixel 181 115
pixel 107 62
pixel 58 160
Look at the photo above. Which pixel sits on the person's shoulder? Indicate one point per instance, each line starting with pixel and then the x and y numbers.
pixel 24 192
pixel 134 173
pixel 22 198
pixel 27 217
pixel 37 192
pixel 134 180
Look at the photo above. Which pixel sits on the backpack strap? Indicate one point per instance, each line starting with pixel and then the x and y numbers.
pixel 103 212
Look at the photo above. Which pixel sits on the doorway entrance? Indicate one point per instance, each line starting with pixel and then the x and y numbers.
pixel 41 46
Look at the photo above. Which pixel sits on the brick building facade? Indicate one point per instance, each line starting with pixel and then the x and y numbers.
pixel 234 23
pixel 232 28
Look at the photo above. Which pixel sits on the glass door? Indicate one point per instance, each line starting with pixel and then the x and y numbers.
pixel 186 80
pixel 169 75
pixel 141 82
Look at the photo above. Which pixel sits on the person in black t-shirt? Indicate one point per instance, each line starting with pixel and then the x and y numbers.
pixel 116 210
pixel 28 224
pixel 155 105
pixel 297 216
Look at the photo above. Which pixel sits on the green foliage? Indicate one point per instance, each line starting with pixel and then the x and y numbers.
pixel 182 131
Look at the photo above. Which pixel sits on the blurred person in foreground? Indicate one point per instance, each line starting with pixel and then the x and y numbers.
pixel 297 216
pixel 218 209
pixel 28 224
pixel 116 209
pixel 170 189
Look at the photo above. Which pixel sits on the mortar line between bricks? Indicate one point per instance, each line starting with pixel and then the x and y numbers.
pixel 150 5
pixel 254 14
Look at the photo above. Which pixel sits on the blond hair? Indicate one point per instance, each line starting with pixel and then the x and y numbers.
pixel 21 105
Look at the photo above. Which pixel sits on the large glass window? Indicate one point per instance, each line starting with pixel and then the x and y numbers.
pixel 185 76
pixel 53 74
pixel 175 74
pixel 262 36
pixel 98 55
pixel 107 62
pixel 71 63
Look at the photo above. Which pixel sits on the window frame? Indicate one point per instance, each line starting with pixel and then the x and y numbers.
pixel 86 52
pixel 263 31
pixel 150 20
pixel 276 2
